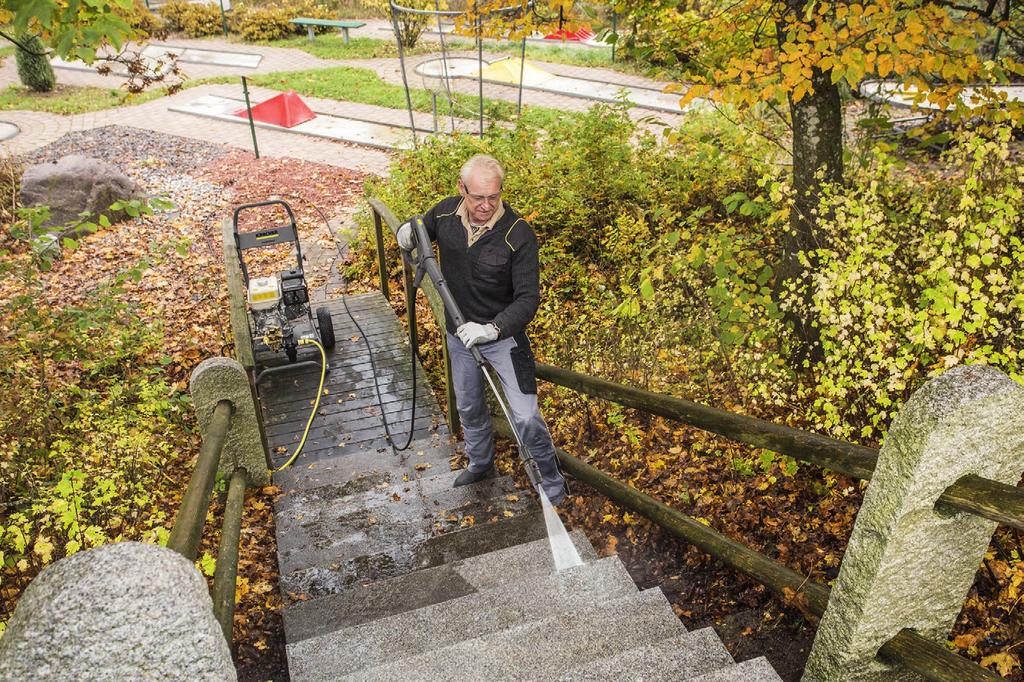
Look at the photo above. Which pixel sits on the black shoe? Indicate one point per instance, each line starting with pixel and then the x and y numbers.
pixel 560 497
pixel 467 477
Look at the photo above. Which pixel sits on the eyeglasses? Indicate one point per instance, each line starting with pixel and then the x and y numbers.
pixel 480 198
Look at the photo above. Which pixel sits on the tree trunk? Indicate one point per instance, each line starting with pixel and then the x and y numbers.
pixel 817 160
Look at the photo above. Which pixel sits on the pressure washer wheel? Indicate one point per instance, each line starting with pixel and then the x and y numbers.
pixel 325 327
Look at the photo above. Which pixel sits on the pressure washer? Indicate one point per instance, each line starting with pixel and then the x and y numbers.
pixel 279 314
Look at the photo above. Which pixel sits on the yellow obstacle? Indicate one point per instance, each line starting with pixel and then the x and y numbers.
pixel 508 70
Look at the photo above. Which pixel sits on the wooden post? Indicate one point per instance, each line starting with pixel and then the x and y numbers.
pixel 225 576
pixel 240 331
pixel 382 266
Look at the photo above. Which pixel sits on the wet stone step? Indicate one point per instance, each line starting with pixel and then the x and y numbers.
pixel 328 532
pixel 372 442
pixel 366 469
pixel 475 540
pixel 370 601
pixel 338 432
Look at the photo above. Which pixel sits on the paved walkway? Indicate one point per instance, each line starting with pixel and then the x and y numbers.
pixel 39 128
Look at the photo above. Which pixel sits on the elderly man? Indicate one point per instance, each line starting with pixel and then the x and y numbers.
pixel 489 259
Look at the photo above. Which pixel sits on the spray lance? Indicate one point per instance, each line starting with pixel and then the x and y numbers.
pixel 426 264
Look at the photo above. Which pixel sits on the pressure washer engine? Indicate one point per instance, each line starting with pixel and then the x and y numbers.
pixel 279 312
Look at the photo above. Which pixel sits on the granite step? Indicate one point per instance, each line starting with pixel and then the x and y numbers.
pixel 754 670
pixel 542 649
pixel 343 575
pixel 680 658
pixel 430 628
pixel 421 588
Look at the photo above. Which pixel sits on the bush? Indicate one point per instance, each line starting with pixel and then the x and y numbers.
pixel 144 21
pixel 88 418
pixel 607 200
pixel 34 67
pixel 271 22
pixel 193 19
pixel 924 273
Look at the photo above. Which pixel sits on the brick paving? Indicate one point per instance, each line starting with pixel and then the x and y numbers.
pixel 40 128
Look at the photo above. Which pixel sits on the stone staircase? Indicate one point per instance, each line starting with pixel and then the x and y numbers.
pixel 390 573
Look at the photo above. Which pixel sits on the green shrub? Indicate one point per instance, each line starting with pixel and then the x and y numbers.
pixel 925 271
pixel 607 200
pixel 193 19
pixel 34 67
pixel 88 418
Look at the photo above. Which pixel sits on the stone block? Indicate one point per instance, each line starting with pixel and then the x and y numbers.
pixel 908 564
pixel 754 670
pixel 541 649
pixel 76 184
pixel 217 379
pixel 676 658
pixel 127 611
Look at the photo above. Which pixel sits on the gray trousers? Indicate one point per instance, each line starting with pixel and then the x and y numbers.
pixel 476 417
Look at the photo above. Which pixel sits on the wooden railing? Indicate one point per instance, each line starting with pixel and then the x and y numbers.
pixel 987 498
pixel 188 524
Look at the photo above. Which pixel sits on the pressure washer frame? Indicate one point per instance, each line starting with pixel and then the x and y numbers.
pixel 294 305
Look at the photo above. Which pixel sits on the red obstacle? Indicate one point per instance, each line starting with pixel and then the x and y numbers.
pixel 581 35
pixel 286 110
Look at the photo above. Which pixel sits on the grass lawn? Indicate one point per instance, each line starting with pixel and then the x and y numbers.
pixel 352 84
pixel 330 46
pixel 70 99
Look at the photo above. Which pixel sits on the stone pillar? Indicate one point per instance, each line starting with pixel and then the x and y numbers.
pixel 217 379
pixel 907 564
pixel 127 611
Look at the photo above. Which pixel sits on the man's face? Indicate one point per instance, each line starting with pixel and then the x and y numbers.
pixel 482 194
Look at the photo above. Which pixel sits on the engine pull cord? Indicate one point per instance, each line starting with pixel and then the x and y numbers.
pixel 413 351
pixel 306 341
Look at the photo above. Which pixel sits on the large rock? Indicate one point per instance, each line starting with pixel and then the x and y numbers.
pixel 127 611
pixel 75 184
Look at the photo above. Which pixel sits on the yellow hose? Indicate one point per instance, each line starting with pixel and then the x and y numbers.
pixel 316 404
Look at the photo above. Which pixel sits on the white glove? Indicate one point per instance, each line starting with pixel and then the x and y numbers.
pixel 406 239
pixel 472 333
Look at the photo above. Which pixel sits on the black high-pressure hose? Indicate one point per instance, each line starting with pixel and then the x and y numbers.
pixel 413 348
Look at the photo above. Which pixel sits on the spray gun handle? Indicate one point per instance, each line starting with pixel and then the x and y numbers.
pixel 532 471
pixel 428 264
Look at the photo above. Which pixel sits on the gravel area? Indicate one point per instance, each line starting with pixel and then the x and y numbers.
pixel 164 165
pixel 118 144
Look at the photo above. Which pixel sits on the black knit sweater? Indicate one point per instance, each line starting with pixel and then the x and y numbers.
pixel 497 279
